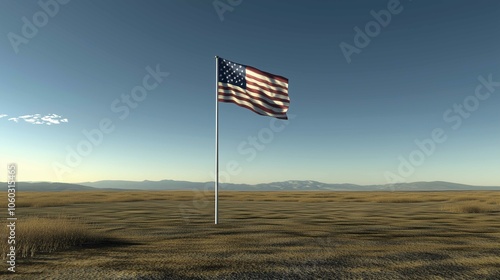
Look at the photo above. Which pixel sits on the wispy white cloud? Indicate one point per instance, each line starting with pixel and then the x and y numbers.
pixel 50 119
pixel 3 116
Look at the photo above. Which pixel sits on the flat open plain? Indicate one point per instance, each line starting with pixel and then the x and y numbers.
pixel 265 235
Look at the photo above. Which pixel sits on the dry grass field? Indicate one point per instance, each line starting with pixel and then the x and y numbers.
pixel 261 235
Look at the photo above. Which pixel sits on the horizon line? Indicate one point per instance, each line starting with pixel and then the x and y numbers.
pixel 387 184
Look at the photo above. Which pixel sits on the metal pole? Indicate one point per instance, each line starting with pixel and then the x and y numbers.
pixel 216 141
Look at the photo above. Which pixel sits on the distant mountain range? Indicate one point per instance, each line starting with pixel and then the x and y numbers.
pixel 276 186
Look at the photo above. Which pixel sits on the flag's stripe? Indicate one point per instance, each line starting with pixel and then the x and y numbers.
pixel 273 101
pixel 263 93
pixel 252 102
pixel 256 104
pixel 278 79
pixel 266 81
pixel 264 106
pixel 282 116
pixel 268 91
pixel 250 106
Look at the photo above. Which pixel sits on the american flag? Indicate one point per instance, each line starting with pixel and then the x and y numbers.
pixel 264 93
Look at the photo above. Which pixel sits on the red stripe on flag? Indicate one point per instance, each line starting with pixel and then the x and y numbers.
pixel 271 101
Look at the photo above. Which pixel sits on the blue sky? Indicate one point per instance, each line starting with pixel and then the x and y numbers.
pixel 354 122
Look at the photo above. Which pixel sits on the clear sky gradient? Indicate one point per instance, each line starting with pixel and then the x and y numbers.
pixel 351 122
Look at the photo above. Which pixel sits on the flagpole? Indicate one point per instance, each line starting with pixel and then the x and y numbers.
pixel 216 141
